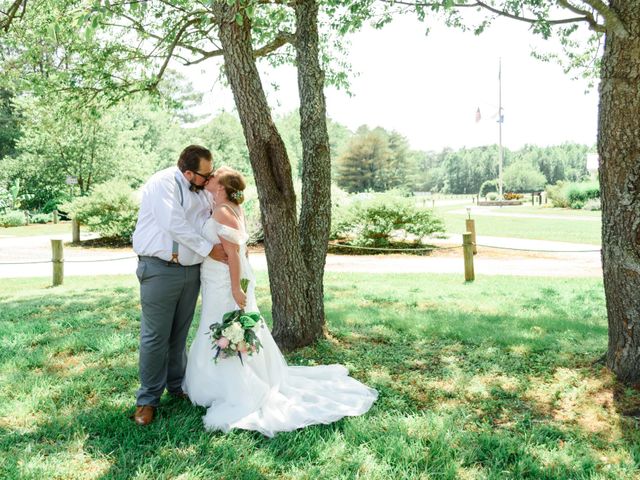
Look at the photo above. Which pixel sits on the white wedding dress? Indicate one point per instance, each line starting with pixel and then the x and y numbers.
pixel 264 394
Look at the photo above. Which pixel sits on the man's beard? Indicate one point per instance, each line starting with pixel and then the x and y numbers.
pixel 195 188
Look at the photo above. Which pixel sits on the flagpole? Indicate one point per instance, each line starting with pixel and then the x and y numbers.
pixel 500 117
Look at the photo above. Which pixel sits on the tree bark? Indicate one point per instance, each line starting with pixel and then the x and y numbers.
pixel 315 214
pixel 293 292
pixel 619 150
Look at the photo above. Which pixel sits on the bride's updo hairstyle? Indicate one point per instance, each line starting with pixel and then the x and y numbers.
pixel 233 183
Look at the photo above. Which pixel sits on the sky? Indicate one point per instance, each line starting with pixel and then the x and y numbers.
pixel 428 88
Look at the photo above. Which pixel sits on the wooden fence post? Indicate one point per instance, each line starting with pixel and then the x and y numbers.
pixel 471 228
pixel 55 217
pixel 57 257
pixel 467 248
pixel 75 231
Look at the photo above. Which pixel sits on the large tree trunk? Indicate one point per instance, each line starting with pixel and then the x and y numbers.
pixel 315 215
pixel 296 318
pixel 619 150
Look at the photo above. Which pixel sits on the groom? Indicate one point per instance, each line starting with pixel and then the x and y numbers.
pixel 170 250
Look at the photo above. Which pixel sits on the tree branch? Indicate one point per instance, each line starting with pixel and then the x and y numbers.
pixel 172 47
pixel 585 16
pixel 502 13
pixel 589 18
pixel 611 20
pixel 281 39
pixel 12 14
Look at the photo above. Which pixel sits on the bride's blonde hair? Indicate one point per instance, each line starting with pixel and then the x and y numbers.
pixel 233 183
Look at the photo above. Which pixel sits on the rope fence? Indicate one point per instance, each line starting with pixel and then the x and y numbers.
pixel 469 249
pixel 383 249
pixel 71 261
pixel 539 251
pixel 336 245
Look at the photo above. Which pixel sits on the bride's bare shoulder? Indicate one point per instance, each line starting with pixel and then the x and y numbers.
pixel 225 216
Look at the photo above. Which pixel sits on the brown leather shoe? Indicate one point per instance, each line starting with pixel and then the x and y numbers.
pixel 144 414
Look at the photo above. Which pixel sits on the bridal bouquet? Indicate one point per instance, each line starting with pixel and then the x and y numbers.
pixel 236 334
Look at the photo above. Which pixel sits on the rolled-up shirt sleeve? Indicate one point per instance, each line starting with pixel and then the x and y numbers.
pixel 171 217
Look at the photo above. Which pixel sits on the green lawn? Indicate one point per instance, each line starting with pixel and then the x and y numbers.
pixel 544 210
pixel 497 379
pixel 574 231
pixel 37 229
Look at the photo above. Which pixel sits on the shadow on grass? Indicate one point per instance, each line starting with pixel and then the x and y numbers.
pixel 464 393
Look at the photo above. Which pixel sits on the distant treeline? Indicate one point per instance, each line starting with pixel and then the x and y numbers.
pixel 378 160
pixel 41 143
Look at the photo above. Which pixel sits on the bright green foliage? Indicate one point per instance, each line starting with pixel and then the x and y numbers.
pixel 111 210
pixel 359 168
pixel 557 195
pixel 41 218
pixel 224 137
pixel 12 218
pixel 375 160
pixel 523 177
pixel 487 187
pixel 374 220
pixel 579 194
pixel 574 195
pixel 9 124
pixel 465 170
pixel 130 141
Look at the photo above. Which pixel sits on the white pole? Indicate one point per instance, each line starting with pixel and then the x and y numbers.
pixel 501 158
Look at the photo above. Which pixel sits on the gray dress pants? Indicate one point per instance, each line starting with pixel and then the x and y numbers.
pixel 168 296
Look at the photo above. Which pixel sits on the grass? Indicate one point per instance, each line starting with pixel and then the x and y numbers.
pixel 492 380
pixel 548 210
pixel 574 231
pixel 37 229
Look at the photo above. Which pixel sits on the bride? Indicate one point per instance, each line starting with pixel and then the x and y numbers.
pixel 262 392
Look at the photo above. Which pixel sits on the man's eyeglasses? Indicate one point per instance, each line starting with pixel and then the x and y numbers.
pixel 205 177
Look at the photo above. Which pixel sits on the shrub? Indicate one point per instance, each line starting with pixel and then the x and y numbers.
pixel 372 222
pixel 492 196
pixel 41 218
pixel 513 196
pixel 573 195
pixel 557 194
pixel 580 193
pixel 52 204
pixel 488 186
pixel 5 198
pixel 593 204
pixel 12 218
pixel 111 210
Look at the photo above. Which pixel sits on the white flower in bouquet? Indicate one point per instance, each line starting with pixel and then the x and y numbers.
pixel 234 332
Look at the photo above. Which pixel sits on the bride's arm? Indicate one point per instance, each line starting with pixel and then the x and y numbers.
pixel 233 254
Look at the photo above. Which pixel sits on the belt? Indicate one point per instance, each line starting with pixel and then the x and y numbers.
pixel 166 263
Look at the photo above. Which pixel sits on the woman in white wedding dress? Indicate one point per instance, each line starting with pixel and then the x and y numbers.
pixel 262 393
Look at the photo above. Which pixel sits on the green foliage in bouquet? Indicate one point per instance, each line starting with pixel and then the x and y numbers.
pixel 236 334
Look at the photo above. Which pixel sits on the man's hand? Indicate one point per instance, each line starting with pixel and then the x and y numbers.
pixel 218 254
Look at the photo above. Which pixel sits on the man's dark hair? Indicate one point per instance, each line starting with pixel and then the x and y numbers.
pixel 190 158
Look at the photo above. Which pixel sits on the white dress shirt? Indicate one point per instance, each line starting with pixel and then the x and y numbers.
pixel 162 219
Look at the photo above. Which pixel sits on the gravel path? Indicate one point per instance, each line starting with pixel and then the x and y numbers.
pixel 489 261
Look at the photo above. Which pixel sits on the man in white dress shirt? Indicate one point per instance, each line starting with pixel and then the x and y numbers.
pixel 170 249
